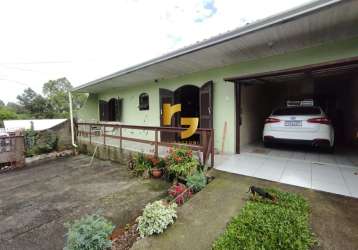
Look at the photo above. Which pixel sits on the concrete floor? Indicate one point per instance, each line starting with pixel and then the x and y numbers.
pixel 334 218
pixel 36 201
pixel 336 173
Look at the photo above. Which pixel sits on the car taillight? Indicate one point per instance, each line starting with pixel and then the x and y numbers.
pixel 272 120
pixel 320 120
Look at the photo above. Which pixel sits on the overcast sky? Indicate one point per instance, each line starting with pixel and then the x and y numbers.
pixel 83 40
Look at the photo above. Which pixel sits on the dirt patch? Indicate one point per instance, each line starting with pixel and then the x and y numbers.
pixel 124 237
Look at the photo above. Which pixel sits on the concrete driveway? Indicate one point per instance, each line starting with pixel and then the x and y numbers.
pixel 35 202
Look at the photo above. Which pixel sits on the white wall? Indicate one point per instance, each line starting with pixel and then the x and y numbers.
pixel 254 101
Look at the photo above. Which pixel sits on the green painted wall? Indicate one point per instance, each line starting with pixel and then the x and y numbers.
pixel 224 99
pixel 89 111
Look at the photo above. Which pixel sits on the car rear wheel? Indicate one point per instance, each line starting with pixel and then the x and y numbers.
pixel 331 149
pixel 267 144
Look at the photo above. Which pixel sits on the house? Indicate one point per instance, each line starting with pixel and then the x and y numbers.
pixel 35 124
pixel 233 81
pixel 60 127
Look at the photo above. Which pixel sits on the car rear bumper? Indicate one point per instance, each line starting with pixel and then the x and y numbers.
pixel 321 137
pixel 322 143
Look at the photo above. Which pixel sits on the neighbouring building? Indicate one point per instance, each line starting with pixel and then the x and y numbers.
pixel 60 127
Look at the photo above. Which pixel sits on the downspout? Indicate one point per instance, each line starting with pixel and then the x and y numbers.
pixel 71 120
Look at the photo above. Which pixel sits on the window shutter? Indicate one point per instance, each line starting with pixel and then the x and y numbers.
pixel 119 108
pixel 206 105
pixel 166 96
pixel 103 110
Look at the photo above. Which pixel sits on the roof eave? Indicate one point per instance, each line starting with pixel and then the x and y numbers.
pixel 261 24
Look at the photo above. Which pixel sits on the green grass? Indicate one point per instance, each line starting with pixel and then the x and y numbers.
pixel 263 225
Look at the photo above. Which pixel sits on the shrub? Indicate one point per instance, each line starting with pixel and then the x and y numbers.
pixel 177 192
pixel 89 233
pixel 181 162
pixel 264 225
pixel 40 142
pixel 156 218
pixel 197 181
pixel 46 142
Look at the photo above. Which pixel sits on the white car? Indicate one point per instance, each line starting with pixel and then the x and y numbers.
pixel 299 125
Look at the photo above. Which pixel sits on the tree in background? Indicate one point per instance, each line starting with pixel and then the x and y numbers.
pixel 26 98
pixel 56 91
pixel 54 103
pixel 42 108
pixel 6 114
pixel 34 105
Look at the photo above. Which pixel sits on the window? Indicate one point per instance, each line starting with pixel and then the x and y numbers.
pixel 297 111
pixel 111 110
pixel 144 101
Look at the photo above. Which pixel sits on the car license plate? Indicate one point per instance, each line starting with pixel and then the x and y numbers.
pixel 293 123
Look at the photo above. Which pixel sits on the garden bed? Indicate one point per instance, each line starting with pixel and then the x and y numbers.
pixel 188 178
pixel 179 167
pixel 124 237
pixel 264 224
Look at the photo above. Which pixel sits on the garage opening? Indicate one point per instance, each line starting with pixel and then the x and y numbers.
pixel 332 87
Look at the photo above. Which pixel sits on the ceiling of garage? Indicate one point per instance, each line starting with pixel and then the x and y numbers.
pixel 306 26
pixel 348 66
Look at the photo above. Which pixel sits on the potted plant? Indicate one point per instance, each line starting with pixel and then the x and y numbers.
pixel 158 165
pixel 142 165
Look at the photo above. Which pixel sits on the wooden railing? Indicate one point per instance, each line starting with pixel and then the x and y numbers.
pixel 206 144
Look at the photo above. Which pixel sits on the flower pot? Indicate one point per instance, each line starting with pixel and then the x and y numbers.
pixel 156 172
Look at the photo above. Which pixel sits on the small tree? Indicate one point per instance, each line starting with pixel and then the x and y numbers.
pixel 57 93
pixel 6 114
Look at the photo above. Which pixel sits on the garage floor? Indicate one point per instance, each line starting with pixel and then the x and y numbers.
pixel 335 173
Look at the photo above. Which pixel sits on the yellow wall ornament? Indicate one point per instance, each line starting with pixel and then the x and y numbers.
pixel 193 122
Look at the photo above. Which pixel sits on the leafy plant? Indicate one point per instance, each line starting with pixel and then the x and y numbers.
pixel 156 218
pixel 161 163
pixel 181 162
pixel 197 181
pixel 141 164
pixel 264 225
pixel 40 142
pixel 47 142
pixel 180 193
pixel 156 162
pixel 89 233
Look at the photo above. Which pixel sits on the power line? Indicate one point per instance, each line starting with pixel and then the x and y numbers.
pixel 39 62
pixel 51 62
pixel 22 69
pixel 14 81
